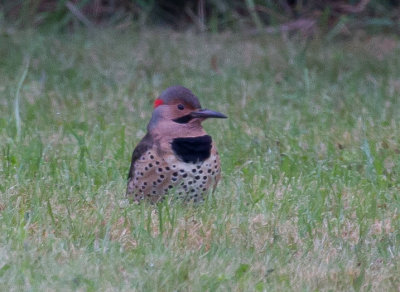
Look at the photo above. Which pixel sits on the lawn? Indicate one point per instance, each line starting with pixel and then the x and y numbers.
pixel 310 194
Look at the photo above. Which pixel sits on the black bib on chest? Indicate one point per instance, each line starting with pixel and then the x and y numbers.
pixel 192 149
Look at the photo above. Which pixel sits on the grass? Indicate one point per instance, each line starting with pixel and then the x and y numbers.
pixel 309 198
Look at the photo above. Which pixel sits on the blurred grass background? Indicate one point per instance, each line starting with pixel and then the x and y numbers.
pixel 205 15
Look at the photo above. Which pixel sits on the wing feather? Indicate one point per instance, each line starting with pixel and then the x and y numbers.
pixel 145 144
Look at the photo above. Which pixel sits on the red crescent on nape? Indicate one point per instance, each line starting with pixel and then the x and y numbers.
pixel 158 102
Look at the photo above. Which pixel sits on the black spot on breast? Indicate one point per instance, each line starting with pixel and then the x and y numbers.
pixel 192 149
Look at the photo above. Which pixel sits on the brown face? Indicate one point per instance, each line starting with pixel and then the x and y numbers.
pixel 181 108
pixel 183 112
pixel 175 109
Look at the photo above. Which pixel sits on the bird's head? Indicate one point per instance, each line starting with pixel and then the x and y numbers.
pixel 177 109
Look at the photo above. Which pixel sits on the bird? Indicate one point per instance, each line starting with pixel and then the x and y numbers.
pixel 176 155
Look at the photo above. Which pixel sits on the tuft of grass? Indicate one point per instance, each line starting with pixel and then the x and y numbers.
pixel 309 197
pixel 17 100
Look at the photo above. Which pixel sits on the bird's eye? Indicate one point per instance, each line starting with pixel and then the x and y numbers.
pixel 180 106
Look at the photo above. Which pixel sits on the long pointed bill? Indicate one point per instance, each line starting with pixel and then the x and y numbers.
pixel 206 113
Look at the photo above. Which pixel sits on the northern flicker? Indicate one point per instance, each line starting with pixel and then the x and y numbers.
pixel 176 155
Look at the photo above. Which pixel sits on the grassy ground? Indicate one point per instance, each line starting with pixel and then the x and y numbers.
pixel 310 194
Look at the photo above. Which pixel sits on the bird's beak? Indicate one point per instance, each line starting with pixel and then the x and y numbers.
pixel 206 113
